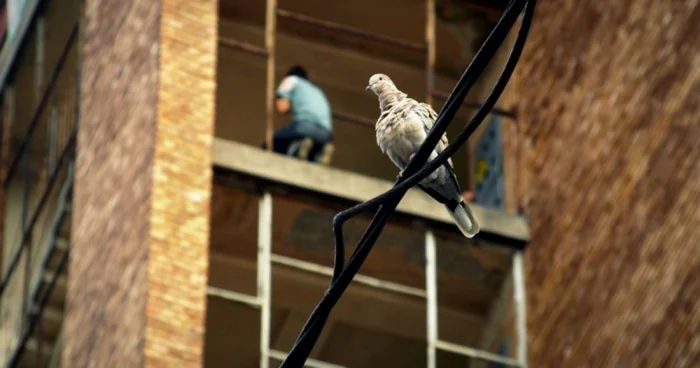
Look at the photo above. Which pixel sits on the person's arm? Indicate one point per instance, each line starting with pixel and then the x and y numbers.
pixel 282 104
pixel 468 196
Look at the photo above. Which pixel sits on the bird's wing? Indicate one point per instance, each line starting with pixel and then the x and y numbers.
pixel 387 135
pixel 428 116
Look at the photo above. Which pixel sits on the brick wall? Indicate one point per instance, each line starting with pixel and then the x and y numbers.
pixel 607 94
pixel 138 268
pixel 178 264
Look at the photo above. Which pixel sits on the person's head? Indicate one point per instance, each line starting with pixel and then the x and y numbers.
pixel 298 70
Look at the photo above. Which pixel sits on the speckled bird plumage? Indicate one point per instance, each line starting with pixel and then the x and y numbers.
pixel 402 126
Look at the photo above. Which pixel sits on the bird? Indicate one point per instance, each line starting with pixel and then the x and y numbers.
pixel 401 128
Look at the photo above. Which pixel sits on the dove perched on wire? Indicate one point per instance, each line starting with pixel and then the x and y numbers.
pixel 402 127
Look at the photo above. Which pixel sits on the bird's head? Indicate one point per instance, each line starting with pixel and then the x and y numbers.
pixel 379 83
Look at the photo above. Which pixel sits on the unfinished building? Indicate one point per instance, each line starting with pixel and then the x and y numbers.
pixel 426 296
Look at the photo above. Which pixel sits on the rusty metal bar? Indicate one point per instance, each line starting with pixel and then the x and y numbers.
pixel 270 30
pixel 26 234
pixel 243 46
pixel 26 245
pixel 430 50
pixel 489 4
pixel 359 120
pixel 476 105
pixel 35 314
pixel 35 318
pixel 349 30
pixel 42 104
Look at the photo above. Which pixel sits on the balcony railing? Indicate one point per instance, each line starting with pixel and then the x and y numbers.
pixel 38 143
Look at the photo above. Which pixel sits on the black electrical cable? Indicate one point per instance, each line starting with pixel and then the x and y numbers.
pixel 387 202
pixel 317 323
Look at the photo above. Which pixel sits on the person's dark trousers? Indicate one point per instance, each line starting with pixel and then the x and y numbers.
pixel 285 136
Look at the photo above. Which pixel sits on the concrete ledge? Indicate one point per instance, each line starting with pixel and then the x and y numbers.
pixel 334 182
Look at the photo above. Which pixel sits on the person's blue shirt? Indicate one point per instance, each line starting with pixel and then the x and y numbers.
pixel 307 102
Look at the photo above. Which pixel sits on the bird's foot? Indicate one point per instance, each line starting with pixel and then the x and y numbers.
pixel 411 156
pixel 400 174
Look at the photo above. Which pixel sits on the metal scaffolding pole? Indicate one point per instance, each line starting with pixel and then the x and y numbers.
pixel 234 296
pixel 265 275
pixel 373 282
pixel 433 339
pixel 430 52
pixel 520 303
pixel 270 29
pixel 431 300
pixel 430 246
pixel 263 300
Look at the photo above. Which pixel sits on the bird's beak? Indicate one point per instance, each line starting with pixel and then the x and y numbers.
pixel 369 87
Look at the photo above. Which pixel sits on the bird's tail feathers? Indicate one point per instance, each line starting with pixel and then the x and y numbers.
pixel 464 219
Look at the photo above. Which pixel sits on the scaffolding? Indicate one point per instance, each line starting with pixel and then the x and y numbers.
pixel 59 157
pixel 268 53
pixel 266 258
pixel 262 300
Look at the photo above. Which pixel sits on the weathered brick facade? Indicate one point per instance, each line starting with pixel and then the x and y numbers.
pixel 607 94
pixel 178 262
pixel 138 270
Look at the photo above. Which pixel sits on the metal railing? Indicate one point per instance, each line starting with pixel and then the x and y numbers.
pixel 268 261
pixel 40 157
pixel 40 296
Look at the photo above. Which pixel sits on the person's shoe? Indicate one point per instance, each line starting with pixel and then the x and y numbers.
pixel 326 154
pixel 305 147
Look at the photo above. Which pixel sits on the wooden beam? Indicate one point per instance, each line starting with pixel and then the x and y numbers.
pixel 354 187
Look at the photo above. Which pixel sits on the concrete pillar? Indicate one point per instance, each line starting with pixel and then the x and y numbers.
pixel 139 252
